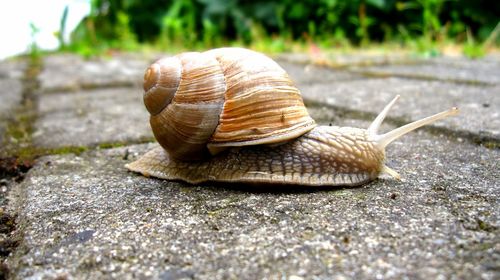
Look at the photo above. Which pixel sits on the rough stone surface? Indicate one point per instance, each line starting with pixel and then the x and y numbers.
pixel 340 60
pixel 12 69
pixel 309 74
pixel 87 216
pixel 479 105
pixel 10 96
pixel 91 117
pixel 11 88
pixel 459 70
pixel 71 72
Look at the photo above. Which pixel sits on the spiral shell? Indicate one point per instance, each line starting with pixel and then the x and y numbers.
pixel 201 103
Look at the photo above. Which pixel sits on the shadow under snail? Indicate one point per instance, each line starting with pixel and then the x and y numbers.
pixel 234 115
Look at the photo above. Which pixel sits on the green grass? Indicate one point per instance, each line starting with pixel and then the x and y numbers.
pixel 422 27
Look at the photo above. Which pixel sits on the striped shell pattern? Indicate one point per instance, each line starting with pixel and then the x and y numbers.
pixel 202 103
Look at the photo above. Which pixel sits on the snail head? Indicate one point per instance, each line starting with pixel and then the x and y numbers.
pixel 383 140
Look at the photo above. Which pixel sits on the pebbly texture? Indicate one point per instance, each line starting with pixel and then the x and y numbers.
pixel 11 88
pixel 11 96
pixel 81 74
pixel 12 69
pixel 310 74
pixel 87 217
pixel 481 71
pixel 346 60
pixel 91 117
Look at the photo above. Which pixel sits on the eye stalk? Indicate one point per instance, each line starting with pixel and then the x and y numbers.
pixel 383 140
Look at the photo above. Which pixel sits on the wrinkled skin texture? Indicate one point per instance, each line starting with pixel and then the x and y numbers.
pixel 325 156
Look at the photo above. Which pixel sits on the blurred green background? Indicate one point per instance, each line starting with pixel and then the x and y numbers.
pixel 429 27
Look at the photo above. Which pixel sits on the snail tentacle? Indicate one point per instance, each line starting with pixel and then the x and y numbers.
pixel 373 128
pixel 385 139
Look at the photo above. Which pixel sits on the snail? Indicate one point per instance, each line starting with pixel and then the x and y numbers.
pixel 234 115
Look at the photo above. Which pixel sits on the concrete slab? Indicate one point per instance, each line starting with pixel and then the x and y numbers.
pixel 11 93
pixel 70 72
pixel 349 59
pixel 87 217
pixel 308 74
pixel 479 105
pixel 87 118
pixel 10 96
pixel 11 73
pixel 12 68
pixel 447 69
pixel 126 71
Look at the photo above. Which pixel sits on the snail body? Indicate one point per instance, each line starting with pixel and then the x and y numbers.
pixel 243 103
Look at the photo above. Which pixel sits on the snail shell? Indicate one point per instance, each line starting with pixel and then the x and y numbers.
pixel 237 99
pixel 205 102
